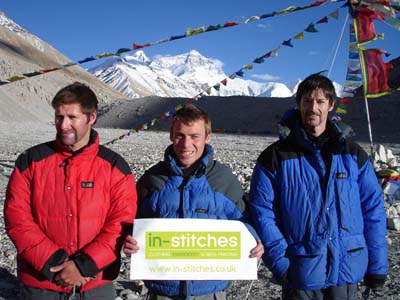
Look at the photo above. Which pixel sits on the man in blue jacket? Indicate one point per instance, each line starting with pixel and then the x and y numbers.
pixel 189 184
pixel 317 205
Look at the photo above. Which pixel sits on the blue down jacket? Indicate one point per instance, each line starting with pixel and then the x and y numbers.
pixel 318 210
pixel 211 192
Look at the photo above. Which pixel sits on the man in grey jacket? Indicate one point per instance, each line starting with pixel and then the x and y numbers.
pixel 189 184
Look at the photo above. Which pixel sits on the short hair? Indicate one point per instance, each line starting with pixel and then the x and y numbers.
pixel 188 114
pixel 77 92
pixel 316 81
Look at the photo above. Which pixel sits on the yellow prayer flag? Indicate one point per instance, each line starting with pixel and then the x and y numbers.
pixel 299 36
pixel 286 10
pixel 198 30
pixel 341 111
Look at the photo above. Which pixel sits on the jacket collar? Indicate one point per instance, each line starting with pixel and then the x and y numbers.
pixel 85 152
pixel 199 167
pixel 292 129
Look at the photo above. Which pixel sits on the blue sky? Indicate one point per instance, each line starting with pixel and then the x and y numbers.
pixel 84 28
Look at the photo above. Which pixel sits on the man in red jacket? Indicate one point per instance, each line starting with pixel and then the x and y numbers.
pixel 67 204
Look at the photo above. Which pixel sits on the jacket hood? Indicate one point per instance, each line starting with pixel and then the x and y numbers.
pixel 290 126
pixel 292 119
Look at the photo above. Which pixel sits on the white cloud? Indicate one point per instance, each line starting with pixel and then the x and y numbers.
pixel 266 77
pixel 266 26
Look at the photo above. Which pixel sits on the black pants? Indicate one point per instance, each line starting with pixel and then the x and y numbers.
pixel 344 292
pixel 104 292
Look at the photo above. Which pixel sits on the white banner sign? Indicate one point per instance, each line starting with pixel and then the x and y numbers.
pixel 192 249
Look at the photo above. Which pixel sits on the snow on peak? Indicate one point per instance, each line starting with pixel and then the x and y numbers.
pixel 23 33
pixel 10 24
pixel 276 89
pixel 194 53
pixel 182 75
pixel 141 56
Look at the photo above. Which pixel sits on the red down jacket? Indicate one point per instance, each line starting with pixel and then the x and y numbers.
pixel 62 205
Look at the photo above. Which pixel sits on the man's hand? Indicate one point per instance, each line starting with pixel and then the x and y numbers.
pixel 374 285
pixel 130 246
pixel 67 275
pixel 257 251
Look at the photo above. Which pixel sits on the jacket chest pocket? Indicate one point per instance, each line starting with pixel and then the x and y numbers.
pixel 348 201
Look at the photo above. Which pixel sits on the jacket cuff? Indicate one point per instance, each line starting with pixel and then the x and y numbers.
pixel 86 266
pixel 56 259
pixel 374 280
pixel 281 280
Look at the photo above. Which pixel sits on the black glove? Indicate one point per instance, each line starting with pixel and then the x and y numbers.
pixel 375 283
pixel 280 280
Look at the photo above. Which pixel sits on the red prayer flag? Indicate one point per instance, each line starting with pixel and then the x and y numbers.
pixel 317 3
pixel 323 20
pixel 365 28
pixel 268 54
pixel 375 73
pixel 229 24
pixel 136 46
pixel 353 71
pixel 50 70
pixel 344 101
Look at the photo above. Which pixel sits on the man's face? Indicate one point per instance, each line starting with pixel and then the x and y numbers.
pixel 314 111
pixel 189 141
pixel 73 126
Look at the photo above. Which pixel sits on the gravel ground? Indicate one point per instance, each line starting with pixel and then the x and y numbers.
pixel 142 150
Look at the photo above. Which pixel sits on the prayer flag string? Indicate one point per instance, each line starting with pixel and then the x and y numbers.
pixel 189 32
pixel 239 73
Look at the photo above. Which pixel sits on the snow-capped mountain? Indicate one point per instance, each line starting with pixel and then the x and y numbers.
pixel 183 75
pixel 293 85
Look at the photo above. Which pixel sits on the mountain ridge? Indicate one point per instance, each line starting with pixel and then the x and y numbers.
pixel 28 100
pixel 183 75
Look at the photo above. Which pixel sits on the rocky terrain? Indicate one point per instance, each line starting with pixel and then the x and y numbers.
pixel 142 150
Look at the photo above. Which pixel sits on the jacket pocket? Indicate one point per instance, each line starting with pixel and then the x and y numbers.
pixel 307 268
pixel 355 259
pixel 349 205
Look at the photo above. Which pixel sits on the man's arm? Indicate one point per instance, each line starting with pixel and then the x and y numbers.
pixel 32 245
pixel 224 181
pixel 261 207
pixel 106 247
pixel 372 205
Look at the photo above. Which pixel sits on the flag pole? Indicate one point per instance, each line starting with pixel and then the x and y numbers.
pixel 365 80
pixel 369 126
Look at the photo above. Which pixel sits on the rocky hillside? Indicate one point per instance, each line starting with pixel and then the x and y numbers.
pixel 28 100
pixel 254 115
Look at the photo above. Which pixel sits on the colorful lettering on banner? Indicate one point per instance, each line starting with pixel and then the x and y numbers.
pixel 175 249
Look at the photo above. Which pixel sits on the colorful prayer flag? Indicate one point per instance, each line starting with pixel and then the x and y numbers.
pixel 375 73
pixel 299 36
